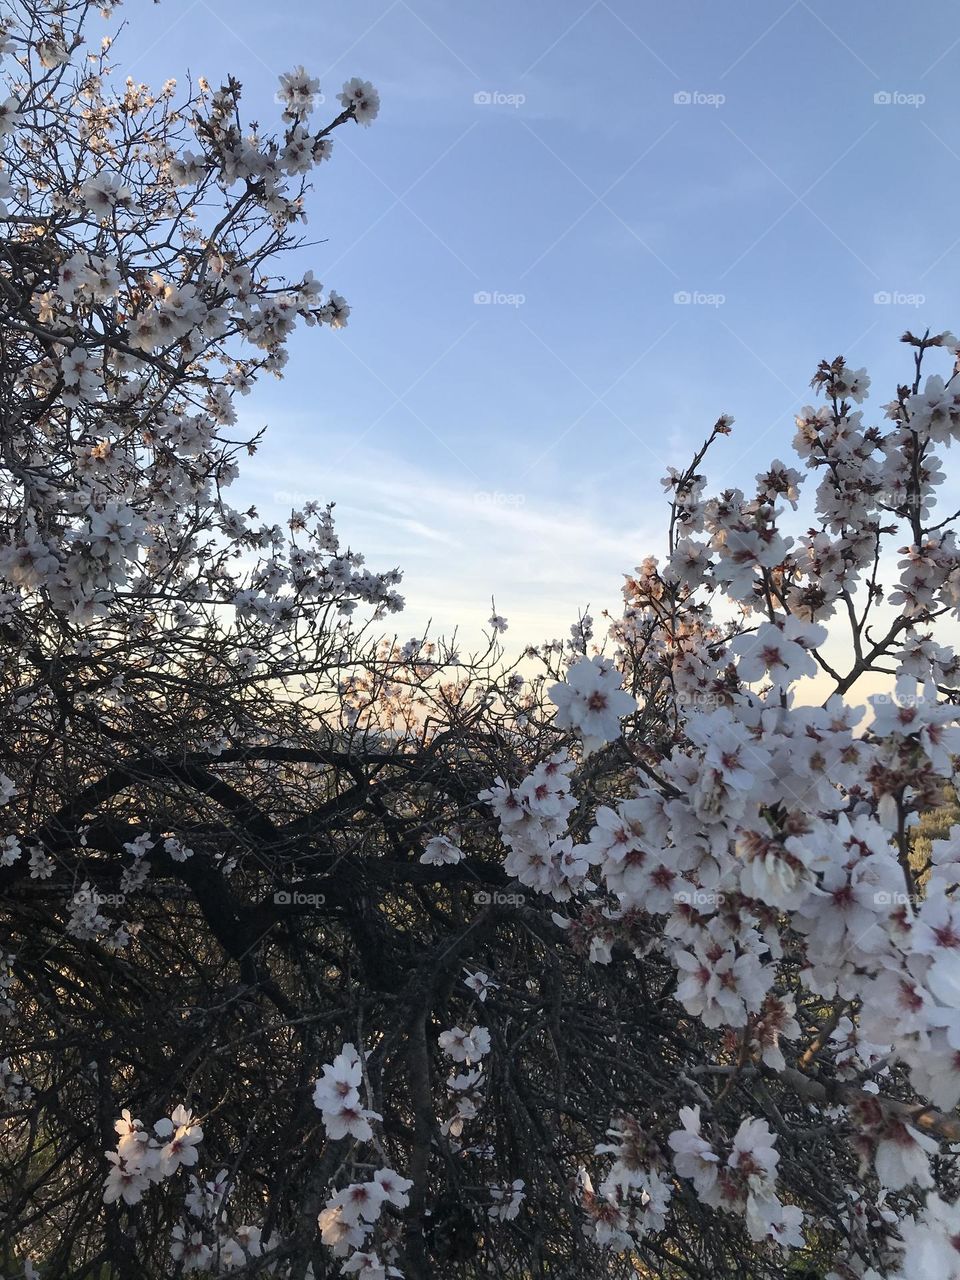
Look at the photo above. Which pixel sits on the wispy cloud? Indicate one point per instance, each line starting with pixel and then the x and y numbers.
pixel 457 544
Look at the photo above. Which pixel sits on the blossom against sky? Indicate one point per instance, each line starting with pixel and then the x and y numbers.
pixel 577 233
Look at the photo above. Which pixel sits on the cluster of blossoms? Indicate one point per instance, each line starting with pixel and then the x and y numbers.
pixel 465 1089
pixel 206 1241
pixel 127 357
pixel 592 701
pixel 533 821
pixel 124 355
pixel 86 921
pixel 337 1096
pixel 634 1197
pixel 465 1046
pixel 8 1007
pixel 744 1182
pixel 143 1157
pixel 736 845
pixel 351 1214
pixel 771 832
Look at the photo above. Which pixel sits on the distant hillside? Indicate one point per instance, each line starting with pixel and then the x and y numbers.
pixel 935 824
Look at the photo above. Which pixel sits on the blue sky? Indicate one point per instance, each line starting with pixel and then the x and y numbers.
pixel 514 447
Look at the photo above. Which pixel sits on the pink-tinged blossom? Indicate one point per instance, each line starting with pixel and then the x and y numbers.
pixel 902 1156
pixel 123 1181
pixel 441 851
pixel 189 1250
pixel 298 92
pixel 694 1157
pixel 769 1219
pixel 395 1188
pixel 936 410
pixel 365 1266
pixel 778 651
pixel 142 1158
pixel 772 873
pixel 465 1046
pixel 183 1135
pixel 337 1095
pixel 362 97
pixel 754 1153
pixel 720 986
pixel 744 554
pixel 592 701
pixel 481 984
pixel 930 1241
pixel 361 1201
pixel 506 1201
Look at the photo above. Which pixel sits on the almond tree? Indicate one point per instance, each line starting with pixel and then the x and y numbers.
pixel 328 954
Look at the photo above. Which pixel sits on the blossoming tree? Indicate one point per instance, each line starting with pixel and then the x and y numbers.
pixel 325 954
